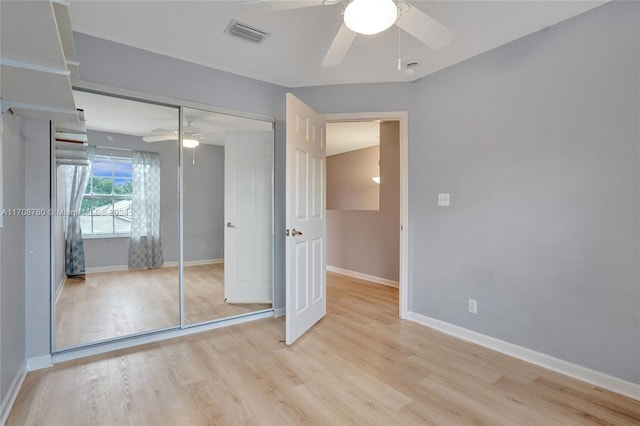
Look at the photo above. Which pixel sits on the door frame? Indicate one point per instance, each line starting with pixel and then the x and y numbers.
pixel 403 118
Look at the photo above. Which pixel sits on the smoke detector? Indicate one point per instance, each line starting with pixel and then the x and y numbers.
pixel 410 67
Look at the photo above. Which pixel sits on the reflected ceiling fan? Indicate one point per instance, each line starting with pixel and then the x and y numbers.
pixel 366 17
pixel 191 135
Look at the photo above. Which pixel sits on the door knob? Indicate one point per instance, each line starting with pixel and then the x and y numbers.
pixel 230 225
pixel 295 232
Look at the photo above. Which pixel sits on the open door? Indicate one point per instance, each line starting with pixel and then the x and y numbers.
pixel 305 219
pixel 248 165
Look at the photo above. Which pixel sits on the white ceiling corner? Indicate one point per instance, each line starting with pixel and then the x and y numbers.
pixel 194 31
pixel 123 116
pixel 350 136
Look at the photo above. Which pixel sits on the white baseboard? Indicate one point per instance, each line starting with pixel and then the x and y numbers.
pixel 12 393
pixel 39 362
pixel 142 339
pixel 240 302
pixel 193 262
pixel 360 275
pixel 614 384
pixel 99 269
pixel 280 312
pixel 119 268
pixel 59 289
pixel 30 364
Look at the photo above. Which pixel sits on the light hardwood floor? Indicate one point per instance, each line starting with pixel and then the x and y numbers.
pixel 113 304
pixel 359 365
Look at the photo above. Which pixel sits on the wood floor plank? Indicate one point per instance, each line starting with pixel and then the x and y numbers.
pixel 358 365
pixel 107 305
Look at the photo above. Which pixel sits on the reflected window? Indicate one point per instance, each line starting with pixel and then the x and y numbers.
pixel 106 205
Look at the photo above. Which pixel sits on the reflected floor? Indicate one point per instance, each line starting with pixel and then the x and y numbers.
pixel 112 304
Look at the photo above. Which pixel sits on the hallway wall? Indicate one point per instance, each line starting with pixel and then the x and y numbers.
pixel 368 241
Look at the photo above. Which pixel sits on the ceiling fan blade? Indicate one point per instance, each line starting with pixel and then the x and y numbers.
pixel 340 46
pixel 160 138
pixel 161 131
pixel 269 6
pixel 425 28
pixel 190 130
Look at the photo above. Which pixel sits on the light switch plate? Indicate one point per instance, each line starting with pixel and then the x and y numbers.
pixel 444 200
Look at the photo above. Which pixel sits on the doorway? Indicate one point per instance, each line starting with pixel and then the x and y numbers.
pixel 305 201
pixel 387 121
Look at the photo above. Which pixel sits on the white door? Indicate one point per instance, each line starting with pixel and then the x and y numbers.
pixel 248 230
pixel 305 219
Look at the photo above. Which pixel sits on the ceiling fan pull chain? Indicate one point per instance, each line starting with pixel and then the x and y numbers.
pixel 399 55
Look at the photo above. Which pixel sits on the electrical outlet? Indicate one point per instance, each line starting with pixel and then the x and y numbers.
pixel 473 306
pixel 444 200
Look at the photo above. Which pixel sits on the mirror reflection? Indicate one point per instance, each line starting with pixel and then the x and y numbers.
pixel 227 196
pixel 116 260
pixel 118 178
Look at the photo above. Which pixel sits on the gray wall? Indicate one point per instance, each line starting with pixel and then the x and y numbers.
pixel 203 193
pixel 369 241
pixel 349 184
pixel 538 144
pixel 12 293
pixel 37 178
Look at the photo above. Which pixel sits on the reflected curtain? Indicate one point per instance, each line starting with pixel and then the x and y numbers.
pixel 145 247
pixel 77 178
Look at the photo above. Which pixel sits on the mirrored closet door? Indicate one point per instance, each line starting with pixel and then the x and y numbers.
pixel 228 215
pixel 158 229
pixel 117 245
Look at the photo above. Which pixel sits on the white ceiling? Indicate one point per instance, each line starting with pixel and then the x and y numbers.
pixel 346 137
pixel 123 116
pixel 115 115
pixel 291 56
pixel 111 114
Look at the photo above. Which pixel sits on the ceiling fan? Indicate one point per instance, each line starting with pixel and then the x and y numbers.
pixel 366 17
pixel 191 135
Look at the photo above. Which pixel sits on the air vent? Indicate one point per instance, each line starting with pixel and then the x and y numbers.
pixel 246 32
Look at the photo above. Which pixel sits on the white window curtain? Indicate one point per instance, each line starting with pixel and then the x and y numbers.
pixel 76 178
pixel 145 247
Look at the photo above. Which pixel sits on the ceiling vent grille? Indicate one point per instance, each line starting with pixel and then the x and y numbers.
pixel 246 32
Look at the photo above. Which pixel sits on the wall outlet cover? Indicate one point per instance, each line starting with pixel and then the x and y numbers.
pixel 473 306
pixel 444 200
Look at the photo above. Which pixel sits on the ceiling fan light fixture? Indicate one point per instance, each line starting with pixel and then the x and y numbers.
pixel 370 16
pixel 190 143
